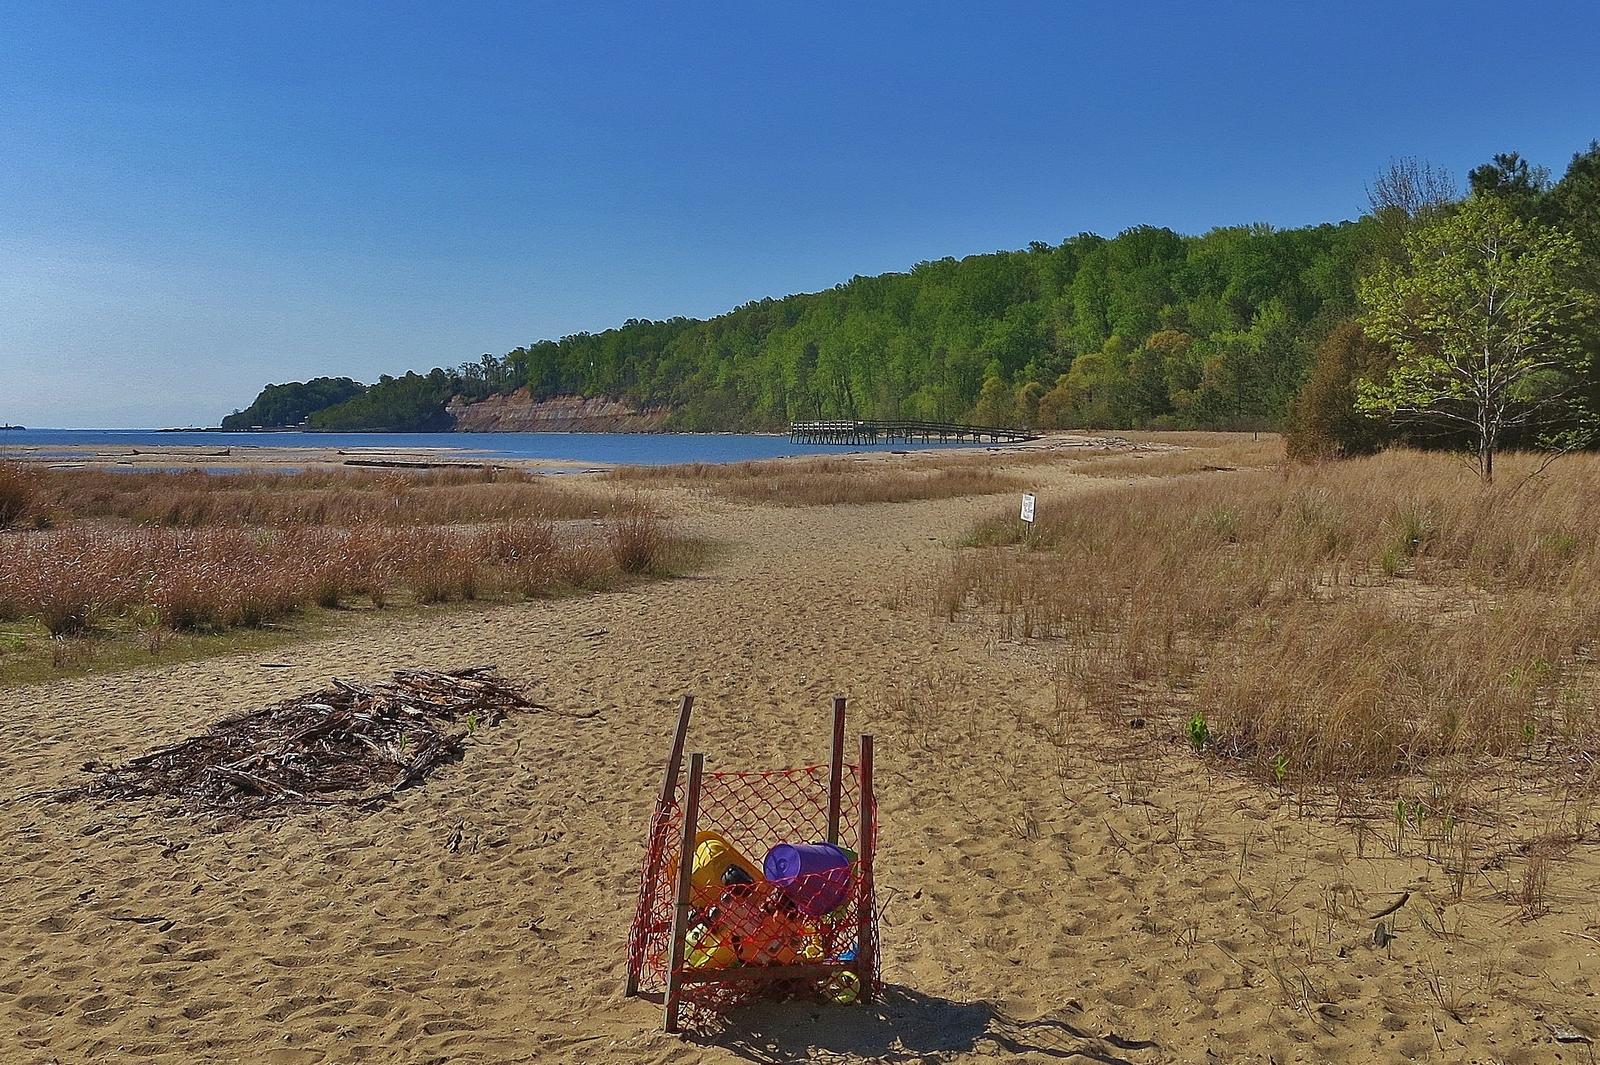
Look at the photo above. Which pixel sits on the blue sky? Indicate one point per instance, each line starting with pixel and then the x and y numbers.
pixel 196 199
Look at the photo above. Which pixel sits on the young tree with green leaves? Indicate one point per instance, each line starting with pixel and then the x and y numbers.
pixel 1484 318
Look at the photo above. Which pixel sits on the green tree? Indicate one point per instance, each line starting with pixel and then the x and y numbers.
pixel 1324 422
pixel 288 405
pixel 1509 178
pixel 1484 321
pixel 1575 205
pixel 996 405
pixel 1054 405
pixel 1028 399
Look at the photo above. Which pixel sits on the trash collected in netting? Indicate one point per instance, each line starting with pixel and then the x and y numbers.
pixel 748 890
pixel 348 744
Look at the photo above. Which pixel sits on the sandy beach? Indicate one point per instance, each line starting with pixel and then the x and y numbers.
pixel 1080 893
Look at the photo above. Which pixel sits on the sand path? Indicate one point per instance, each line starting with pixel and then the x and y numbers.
pixel 1042 901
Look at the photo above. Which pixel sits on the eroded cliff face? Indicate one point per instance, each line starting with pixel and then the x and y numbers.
pixel 521 413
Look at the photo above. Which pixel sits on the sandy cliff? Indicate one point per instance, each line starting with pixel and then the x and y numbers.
pixel 521 413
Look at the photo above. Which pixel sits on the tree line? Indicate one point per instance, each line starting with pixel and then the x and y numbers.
pixel 1477 328
pixel 1241 327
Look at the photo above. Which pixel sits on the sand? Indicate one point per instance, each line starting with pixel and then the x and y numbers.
pixel 1093 894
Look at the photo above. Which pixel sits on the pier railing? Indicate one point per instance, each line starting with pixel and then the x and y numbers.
pixel 909 432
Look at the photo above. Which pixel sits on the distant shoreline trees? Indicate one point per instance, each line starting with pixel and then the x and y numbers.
pixel 1148 329
pixel 289 405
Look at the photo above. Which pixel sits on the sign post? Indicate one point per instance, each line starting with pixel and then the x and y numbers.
pixel 1027 507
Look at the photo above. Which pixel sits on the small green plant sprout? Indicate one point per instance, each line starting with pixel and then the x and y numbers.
pixel 1560 544
pixel 1537 671
pixel 1280 768
pixel 1199 732
pixel 1224 522
pixel 1407 814
pixel 472 722
pixel 1530 732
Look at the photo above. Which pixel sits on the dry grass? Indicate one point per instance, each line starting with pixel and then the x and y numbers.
pixel 1200 439
pixel 195 499
pixel 1193 453
pixel 17 492
pixel 194 552
pixel 636 543
pixel 1327 623
pixel 826 481
pixel 72 580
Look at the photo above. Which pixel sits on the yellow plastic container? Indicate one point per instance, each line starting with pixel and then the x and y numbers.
pixel 714 856
pixel 706 949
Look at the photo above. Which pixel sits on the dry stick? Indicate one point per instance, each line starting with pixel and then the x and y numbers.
pixel 336 717
pixel 658 827
pixel 680 917
pixel 1405 896
pixel 257 784
pixel 836 770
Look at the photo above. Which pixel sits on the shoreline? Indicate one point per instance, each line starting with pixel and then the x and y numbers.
pixel 261 458
pixel 226 458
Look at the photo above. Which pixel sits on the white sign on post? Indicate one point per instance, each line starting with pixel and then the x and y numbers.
pixel 1027 507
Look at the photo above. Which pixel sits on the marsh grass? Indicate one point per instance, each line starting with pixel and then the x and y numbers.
pixel 18 488
pixel 1329 623
pixel 196 499
pixel 72 580
pixel 827 481
pixel 155 554
pixel 92 598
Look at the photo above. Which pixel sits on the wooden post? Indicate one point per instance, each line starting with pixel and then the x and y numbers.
pixel 675 759
pixel 836 770
pixel 669 784
pixel 680 917
pixel 866 946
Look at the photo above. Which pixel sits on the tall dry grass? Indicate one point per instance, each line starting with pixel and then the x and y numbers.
pixel 74 579
pixel 827 481
pixel 1188 453
pixel 196 499
pixel 17 491
pixel 1326 623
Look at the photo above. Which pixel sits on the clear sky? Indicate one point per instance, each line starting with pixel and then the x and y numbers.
pixel 199 198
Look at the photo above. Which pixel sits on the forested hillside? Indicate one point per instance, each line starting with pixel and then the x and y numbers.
pixel 286 406
pixel 1150 328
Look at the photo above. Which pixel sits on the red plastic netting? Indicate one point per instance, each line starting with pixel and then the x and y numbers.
pixel 809 932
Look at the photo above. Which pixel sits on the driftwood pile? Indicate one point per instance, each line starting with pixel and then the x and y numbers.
pixel 347 745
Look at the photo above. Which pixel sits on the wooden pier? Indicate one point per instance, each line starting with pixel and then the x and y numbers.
pixel 858 432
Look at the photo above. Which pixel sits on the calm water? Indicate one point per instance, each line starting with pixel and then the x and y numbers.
pixel 633 448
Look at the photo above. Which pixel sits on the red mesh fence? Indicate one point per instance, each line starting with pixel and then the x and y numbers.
pixel 809 930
